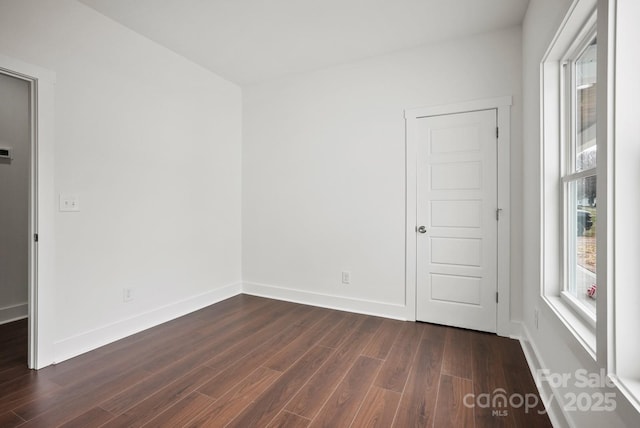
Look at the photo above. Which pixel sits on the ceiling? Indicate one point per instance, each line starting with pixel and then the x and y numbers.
pixel 248 41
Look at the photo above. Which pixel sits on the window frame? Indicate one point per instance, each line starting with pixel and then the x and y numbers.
pixel 568 173
pixel 618 269
pixel 571 40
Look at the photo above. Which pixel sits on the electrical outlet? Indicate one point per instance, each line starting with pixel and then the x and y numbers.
pixel 535 317
pixel 346 277
pixel 127 294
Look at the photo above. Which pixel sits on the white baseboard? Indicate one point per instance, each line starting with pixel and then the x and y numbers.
pixel 554 410
pixel 512 330
pixel 340 303
pixel 14 313
pixel 89 340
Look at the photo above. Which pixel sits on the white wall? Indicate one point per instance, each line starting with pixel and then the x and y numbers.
pixel 555 348
pixel 14 188
pixel 324 168
pixel 151 144
pixel 627 177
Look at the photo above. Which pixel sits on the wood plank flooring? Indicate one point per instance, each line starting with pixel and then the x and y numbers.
pixel 254 362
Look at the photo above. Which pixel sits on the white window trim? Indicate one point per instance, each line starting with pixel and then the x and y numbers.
pixel 617 132
pixel 570 300
pixel 567 145
pixel 576 30
pixel 622 263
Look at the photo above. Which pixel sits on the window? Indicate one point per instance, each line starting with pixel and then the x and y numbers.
pixel 571 171
pixel 570 174
pixel 578 177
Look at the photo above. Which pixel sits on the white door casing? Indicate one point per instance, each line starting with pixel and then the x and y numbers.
pixel 41 209
pixel 456 213
pixel 450 260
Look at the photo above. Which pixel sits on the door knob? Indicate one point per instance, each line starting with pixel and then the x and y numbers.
pixel 422 229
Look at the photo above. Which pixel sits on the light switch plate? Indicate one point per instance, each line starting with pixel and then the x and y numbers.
pixel 69 203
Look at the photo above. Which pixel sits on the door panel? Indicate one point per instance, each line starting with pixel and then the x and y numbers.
pixel 456 214
pixel 456 251
pixel 456 289
pixel 456 202
pixel 456 176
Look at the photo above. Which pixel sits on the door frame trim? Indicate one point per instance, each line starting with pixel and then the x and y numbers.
pixel 41 257
pixel 502 105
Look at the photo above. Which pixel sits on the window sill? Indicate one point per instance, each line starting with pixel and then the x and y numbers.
pixel 584 333
pixel 576 306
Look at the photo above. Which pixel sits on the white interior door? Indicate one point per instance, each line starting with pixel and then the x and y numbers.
pixel 456 216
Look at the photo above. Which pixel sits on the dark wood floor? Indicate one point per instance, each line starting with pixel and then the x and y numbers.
pixel 253 362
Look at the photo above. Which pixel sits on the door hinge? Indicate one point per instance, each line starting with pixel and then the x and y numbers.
pixel 498 213
pixel 35 237
pixel 497 132
pixel 496 297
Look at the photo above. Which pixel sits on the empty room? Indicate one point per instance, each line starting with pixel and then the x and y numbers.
pixel 354 213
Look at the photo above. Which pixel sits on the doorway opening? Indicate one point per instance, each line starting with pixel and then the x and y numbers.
pixel 40 303
pixel 16 170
